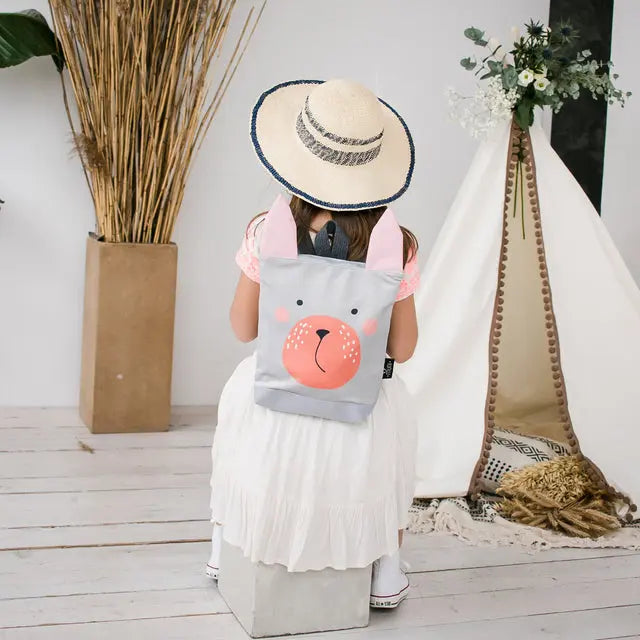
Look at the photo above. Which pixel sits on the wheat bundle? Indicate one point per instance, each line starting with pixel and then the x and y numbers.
pixel 558 494
pixel 141 73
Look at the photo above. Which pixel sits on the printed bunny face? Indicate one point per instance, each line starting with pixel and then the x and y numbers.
pixel 323 335
pixel 323 322
pixel 322 352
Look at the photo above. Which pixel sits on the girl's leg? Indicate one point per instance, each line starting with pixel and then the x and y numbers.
pixel 216 546
pixel 390 585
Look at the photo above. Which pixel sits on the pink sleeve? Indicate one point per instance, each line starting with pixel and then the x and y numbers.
pixel 248 256
pixel 411 279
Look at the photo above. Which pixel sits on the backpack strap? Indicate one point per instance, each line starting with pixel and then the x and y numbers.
pixel 332 242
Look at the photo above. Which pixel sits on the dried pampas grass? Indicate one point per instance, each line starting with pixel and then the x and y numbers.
pixel 558 494
pixel 140 72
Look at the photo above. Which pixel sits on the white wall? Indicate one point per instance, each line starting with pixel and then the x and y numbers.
pixel 406 50
pixel 621 183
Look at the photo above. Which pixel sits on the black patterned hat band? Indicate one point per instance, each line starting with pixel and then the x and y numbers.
pixel 341 149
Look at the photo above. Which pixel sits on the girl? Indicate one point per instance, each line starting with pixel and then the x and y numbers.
pixel 300 491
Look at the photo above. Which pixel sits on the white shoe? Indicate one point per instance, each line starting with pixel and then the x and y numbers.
pixel 390 585
pixel 216 545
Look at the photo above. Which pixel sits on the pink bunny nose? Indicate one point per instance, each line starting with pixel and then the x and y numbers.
pixel 322 358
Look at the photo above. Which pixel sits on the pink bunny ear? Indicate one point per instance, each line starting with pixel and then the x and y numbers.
pixel 279 238
pixel 385 245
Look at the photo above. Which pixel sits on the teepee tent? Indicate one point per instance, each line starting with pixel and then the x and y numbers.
pixel 529 320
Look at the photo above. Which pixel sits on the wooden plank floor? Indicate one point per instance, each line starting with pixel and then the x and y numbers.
pixel 105 537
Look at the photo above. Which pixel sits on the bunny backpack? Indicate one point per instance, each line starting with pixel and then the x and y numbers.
pixel 324 321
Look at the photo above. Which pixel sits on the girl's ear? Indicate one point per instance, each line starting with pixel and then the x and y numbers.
pixel 280 237
pixel 386 245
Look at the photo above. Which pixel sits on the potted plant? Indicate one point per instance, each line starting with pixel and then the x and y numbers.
pixel 24 35
pixel 140 73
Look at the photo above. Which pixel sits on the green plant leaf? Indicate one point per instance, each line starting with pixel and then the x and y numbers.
pixel 24 35
pixel 524 114
pixel 509 77
pixel 495 69
pixel 474 34
pixel 468 63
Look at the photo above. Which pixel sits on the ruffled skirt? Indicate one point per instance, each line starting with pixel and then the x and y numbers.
pixel 310 493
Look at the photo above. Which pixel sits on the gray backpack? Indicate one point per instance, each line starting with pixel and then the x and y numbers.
pixel 324 321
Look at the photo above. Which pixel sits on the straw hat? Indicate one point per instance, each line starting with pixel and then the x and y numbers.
pixel 333 143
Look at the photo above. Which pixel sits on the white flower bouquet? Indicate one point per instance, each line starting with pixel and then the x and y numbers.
pixel 544 68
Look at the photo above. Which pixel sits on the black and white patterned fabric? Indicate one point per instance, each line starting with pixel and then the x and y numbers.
pixel 480 510
pixel 511 450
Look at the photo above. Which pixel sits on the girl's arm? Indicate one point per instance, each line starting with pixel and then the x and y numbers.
pixel 244 309
pixel 403 333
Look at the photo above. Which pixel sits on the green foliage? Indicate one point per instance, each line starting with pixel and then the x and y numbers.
pixel 524 113
pixel 534 29
pixel 476 36
pixel 509 77
pixel 495 69
pixel 545 69
pixel 24 35
pixel 468 64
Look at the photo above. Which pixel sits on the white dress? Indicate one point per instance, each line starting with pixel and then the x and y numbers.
pixel 310 493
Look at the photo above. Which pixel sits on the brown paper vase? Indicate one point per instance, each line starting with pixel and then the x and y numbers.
pixel 127 342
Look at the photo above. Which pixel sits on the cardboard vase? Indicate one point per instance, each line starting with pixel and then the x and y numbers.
pixel 127 341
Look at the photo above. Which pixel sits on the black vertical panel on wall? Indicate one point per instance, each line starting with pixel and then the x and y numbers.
pixel 578 131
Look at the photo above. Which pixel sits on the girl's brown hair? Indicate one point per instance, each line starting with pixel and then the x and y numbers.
pixel 357 225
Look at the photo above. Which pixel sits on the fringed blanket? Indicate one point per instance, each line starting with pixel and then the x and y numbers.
pixel 478 523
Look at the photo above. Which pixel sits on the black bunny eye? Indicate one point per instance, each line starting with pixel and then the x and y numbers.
pixel 354 311
pixel 299 303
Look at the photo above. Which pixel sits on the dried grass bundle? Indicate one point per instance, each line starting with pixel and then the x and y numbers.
pixel 140 72
pixel 558 494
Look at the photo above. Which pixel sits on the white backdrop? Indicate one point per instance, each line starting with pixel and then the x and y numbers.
pixel 406 50
pixel 621 186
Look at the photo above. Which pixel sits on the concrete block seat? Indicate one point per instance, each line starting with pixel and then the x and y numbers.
pixel 268 600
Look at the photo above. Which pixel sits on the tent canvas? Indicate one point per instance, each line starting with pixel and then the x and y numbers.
pixel 528 321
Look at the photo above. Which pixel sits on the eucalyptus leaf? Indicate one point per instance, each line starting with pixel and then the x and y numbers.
pixel 24 35
pixel 468 63
pixel 495 69
pixel 509 77
pixel 474 34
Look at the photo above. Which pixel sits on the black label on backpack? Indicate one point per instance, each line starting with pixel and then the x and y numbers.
pixel 388 368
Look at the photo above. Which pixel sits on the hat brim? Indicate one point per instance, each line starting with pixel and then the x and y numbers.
pixel 331 186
